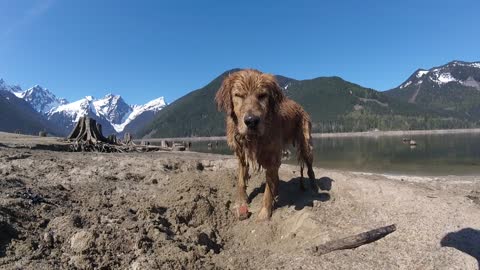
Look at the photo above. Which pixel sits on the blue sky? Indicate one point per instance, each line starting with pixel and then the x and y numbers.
pixel 145 49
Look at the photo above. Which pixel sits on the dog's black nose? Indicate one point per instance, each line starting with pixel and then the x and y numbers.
pixel 251 121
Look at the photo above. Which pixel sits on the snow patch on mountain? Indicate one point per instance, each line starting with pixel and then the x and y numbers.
pixel 405 84
pixel 442 78
pixel 153 106
pixel 466 64
pixel 420 73
pixel 73 110
pixel 414 78
pixel 18 94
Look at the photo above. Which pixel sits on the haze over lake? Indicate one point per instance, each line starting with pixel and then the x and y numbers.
pixel 447 154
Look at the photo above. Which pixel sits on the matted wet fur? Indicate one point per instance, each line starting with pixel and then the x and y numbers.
pixel 261 121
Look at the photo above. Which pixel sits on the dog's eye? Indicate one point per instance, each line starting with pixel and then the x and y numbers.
pixel 239 95
pixel 262 96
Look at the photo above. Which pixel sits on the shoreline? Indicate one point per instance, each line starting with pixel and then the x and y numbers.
pixel 336 135
pixel 396 133
pixel 17 141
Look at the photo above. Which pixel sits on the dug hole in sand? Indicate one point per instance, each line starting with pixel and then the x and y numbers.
pixel 62 210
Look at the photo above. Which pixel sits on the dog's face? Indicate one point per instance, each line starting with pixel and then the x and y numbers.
pixel 250 98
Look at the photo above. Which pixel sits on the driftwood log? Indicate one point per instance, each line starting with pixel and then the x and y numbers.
pixel 354 241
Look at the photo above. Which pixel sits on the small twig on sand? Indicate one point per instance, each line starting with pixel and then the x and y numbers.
pixel 19 156
pixel 354 241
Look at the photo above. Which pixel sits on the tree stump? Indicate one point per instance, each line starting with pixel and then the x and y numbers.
pixel 112 139
pixel 87 130
pixel 127 138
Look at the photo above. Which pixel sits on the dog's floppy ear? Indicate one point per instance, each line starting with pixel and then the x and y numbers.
pixel 223 98
pixel 277 94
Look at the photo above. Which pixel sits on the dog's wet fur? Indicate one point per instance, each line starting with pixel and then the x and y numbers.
pixel 261 121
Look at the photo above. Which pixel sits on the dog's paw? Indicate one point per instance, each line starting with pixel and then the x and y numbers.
pixel 242 212
pixel 264 214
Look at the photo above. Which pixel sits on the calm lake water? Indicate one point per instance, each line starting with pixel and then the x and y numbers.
pixel 450 154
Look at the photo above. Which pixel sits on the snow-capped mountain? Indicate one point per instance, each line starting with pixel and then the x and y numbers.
pixel 463 73
pixel 41 99
pixel 452 89
pixel 18 115
pixel 67 115
pixel 11 88
pixel 113 108
pixel 152 106
pixel 111 111
pixel 74 110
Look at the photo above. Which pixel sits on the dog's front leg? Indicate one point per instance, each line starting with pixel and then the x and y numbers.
pixel 271 190
pixel 242 198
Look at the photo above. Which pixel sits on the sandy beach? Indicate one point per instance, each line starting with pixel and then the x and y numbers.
pixel 174 210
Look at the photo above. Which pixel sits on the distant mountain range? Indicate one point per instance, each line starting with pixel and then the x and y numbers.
pixel 59 116
pixel 453 88
pixel 17 115
pixel 448 98
pixel 115 115
pixel 438 98
pixel 40 99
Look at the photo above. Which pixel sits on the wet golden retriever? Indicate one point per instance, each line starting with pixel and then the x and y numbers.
pixel 261 121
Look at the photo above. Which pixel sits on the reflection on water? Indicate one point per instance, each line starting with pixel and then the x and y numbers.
pixel 451 154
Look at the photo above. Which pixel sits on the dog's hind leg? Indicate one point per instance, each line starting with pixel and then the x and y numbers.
pixel 306 151
pixel 302 186
pixel 311 175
